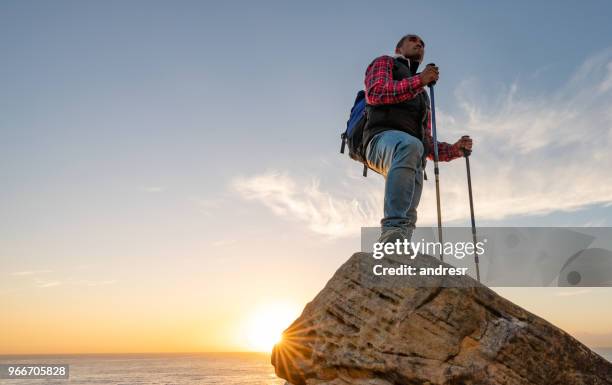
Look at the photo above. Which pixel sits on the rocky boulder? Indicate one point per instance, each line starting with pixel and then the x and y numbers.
pixel 356 333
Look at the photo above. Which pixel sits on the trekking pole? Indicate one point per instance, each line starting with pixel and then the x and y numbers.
pixel 436 170
pixel 466 154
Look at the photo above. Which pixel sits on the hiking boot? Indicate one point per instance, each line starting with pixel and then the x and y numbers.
pixel 393 234
pixel 400 238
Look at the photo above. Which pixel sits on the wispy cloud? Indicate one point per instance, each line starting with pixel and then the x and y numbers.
pixel 39 279
pixel 46 283
pixel 573 292
pixel 542 153
pixel 601 222
pixel 93 282
pixel 334 216
pixel 30 272
pixel 224 242
pixel 35 277
pixel 153 189
pixel 595 340
pixel 207 206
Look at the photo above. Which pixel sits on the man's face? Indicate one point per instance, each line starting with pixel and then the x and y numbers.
pixel 413 48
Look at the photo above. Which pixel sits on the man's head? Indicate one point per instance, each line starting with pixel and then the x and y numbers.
pixel 412 47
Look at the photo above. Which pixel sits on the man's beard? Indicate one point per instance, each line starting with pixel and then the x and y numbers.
pixel 414 65
pixel 415 57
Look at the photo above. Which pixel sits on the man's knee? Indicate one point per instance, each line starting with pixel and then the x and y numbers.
pixel 408 149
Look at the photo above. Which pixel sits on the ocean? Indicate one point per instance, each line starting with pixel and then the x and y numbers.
pixel 155 369
pixel 164 368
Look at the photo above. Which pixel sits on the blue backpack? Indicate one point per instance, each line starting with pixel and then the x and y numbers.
pixel 353 135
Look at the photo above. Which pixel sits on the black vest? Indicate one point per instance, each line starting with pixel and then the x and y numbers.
pixel 409 116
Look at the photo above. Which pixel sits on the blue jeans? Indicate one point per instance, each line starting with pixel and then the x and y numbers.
pixel 397 156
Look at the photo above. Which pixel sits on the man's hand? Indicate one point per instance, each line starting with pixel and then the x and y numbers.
pixel 430 74
pixel 464 144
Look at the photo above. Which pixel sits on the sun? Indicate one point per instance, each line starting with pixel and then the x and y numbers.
pixel 265 326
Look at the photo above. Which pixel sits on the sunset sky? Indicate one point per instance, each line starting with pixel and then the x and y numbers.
pixel 170 170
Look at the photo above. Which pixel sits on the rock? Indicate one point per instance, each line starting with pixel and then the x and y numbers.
pixel 356 333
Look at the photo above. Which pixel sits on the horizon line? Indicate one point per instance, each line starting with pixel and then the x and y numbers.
pixel 133 353
pixel 177 353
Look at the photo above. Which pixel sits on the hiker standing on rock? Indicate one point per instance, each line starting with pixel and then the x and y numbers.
pixel 397 135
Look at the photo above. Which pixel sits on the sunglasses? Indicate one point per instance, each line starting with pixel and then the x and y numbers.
pixel 415 39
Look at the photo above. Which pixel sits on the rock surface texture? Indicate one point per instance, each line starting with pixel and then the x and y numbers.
pixel 353 333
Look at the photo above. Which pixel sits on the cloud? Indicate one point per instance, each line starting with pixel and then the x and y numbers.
pixel 93 283
pixel 207 206
pixel 601 222
pixel 572 293
pixel 323 213
pixel 30 272
pixel 535 154
pixel 46 283
pixel 34 274
pixel 153 189
pixel 224 242
pixel 606 85
pixel 596 340
pixel 49 282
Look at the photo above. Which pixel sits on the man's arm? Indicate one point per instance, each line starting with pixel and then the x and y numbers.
pixel 382 89
pixel 446 151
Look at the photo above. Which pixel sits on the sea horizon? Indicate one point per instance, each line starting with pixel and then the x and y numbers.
pixel 176 368
pixel 595 349
pixel 137 353
pixel 166 368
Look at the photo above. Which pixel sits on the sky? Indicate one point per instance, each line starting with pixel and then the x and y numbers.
pixel 170 169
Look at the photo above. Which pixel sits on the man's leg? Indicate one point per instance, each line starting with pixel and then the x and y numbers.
pixel 397 156
pixel 416 198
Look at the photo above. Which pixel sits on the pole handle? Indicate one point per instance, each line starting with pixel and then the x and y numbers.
pixel 430 85
pixel 466 152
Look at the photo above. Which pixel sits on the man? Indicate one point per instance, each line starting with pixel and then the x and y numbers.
pixel 397 135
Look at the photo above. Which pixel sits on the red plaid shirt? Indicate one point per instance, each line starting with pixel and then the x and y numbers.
pixel 382 89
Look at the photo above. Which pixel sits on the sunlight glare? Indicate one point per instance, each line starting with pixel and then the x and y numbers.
pixel 266 325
